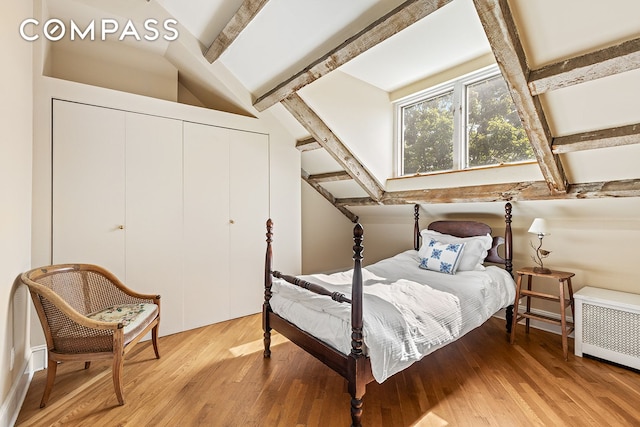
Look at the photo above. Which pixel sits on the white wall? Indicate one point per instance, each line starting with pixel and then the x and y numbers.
pixel 114 65
pixel 15 208
pixel 327 237
pixel 359 114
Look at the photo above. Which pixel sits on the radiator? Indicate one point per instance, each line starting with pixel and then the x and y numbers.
pixel 607 325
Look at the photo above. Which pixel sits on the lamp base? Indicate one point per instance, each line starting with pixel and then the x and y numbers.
pixel 541 270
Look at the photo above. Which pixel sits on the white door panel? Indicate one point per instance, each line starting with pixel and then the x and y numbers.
pixel 88 186
pixel 206 224
pixel 249 182
pixel 154 212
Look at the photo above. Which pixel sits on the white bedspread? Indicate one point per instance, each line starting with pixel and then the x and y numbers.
pixel 408 312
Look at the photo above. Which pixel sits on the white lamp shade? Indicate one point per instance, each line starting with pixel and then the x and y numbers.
pixel 539 226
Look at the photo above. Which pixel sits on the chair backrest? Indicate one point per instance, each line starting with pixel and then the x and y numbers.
pixel 62 294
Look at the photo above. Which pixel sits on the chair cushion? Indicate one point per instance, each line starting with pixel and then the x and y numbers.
pixel 134 317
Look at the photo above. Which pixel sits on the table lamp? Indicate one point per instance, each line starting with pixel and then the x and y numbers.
pixel 539 227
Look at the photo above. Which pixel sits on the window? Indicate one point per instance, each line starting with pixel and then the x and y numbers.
pixel 467 123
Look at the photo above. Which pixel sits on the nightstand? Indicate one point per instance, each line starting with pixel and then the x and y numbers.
pixel 563 277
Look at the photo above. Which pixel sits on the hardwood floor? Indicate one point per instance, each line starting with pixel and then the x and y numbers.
pixel 216 376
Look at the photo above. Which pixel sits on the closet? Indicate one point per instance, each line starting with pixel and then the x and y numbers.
pixel 169 206
pixel 226 199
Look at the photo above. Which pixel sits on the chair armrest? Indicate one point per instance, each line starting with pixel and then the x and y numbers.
pixel 118 284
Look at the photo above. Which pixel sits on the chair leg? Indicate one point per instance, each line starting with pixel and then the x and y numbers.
pixel 52 366
pixel 154 339
pixel 118 364
pixel 87 364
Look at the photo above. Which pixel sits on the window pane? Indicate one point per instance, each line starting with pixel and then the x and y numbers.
pixel 428 135
pixel 494 132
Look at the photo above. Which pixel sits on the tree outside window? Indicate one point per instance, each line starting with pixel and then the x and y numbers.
pixel 428 135
pixel 468 123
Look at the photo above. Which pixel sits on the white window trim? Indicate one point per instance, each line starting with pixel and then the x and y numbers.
pixel 460 149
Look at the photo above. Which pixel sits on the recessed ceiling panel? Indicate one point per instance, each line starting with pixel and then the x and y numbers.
pixel 319 161
pixel 448 37
pixel 342 189
pixel 598 104
pixel 553 30
pixel 603 164
pixel 287 35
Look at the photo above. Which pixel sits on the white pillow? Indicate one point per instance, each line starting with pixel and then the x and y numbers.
pixel 475 251
pixel 442 257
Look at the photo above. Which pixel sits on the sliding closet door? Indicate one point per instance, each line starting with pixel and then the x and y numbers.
pixel 153 224
pixel 88 145
pixel 226 188
pixel 206 224
pixel 249 211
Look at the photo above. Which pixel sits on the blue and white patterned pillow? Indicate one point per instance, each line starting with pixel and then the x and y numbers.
pixel 442 257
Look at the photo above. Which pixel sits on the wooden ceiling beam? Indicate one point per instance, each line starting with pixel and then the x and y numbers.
pixel 604 189
pixel 595 65
pixel 516 191
pixel 327 195
pixel 470 194
pixel 308 145
pixel 245 14
pixel 356 201
pixel 498 24
pixel 393 22
pixel 612 137
pixel 334 146
pixel 330 177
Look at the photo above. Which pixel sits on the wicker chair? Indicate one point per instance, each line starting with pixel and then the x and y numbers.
pixel 88 314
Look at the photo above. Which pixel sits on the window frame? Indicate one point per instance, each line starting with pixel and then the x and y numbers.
pixel 460 118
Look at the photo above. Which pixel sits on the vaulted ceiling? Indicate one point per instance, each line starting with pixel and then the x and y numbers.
pixel 571 67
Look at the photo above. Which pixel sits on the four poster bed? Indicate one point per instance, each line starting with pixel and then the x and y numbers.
pixel 369 323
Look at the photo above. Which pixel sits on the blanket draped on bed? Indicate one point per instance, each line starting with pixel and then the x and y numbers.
pixel 403 320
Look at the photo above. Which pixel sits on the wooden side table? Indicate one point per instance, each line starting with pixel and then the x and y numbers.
pixel 562 277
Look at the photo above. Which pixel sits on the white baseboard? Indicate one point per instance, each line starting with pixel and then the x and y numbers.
pixel 13 403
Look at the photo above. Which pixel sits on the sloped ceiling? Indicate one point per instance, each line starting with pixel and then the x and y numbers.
pixel 572 68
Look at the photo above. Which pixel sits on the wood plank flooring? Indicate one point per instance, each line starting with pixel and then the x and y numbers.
pixel 216 376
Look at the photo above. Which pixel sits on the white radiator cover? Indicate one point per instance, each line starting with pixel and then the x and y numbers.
pixel 607 325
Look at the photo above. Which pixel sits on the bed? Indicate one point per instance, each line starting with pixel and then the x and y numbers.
pixel 369 323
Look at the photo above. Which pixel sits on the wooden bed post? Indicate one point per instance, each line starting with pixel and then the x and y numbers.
pixel 508 257
pixel 416 227
pixel 508 238
pixel 357 382
pixel 268 281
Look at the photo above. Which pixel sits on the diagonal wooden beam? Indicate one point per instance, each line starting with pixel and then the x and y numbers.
pixel 327 195
pixel 330 142
pixel 602 63
pixel 498 24
pixel 393 22
pixel 612 137
pixel 245 13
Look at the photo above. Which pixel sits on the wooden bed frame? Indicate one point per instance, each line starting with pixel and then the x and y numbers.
pixel 356 367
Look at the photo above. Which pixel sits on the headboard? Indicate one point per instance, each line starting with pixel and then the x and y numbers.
pixel 473 228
